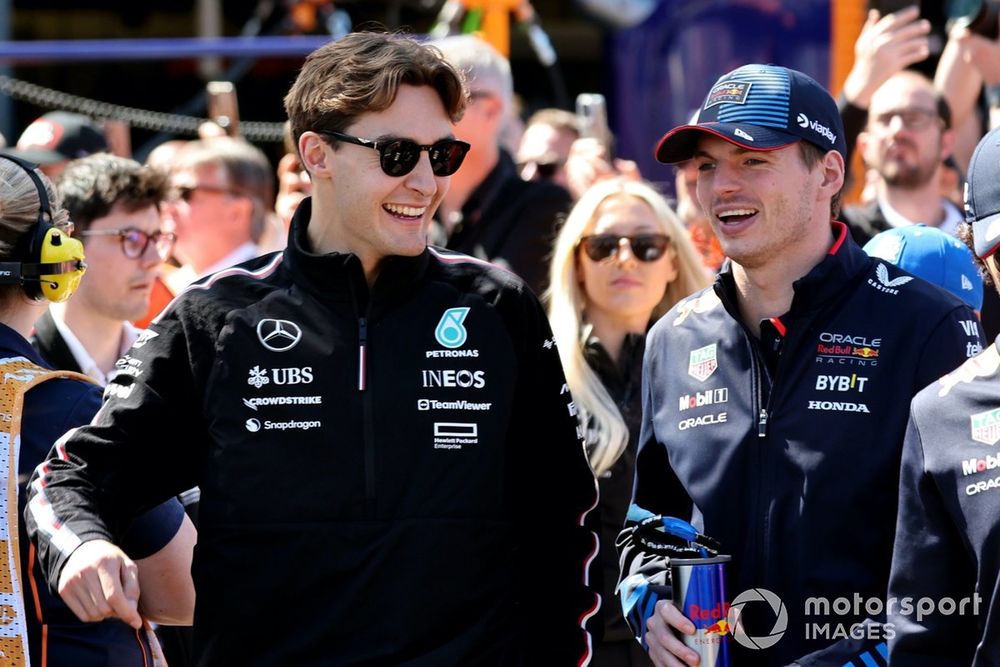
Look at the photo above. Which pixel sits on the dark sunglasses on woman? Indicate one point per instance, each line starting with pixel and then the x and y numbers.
pixel 645 247
pixel 398 157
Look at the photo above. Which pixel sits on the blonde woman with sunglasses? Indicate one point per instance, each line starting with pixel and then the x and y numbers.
pixel 621 260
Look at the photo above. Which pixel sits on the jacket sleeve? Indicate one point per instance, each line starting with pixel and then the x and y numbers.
pixel 957 337
pixel 645 577
pixel 552 490
pixel 930 561
pixel 139 451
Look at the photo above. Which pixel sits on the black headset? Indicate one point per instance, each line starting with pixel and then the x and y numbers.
pixel 53 263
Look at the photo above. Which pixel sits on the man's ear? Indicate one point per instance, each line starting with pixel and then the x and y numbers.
pixel 948 139
pixel 313 154
pixel 833 172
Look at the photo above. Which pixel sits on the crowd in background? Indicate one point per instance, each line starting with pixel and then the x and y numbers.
pixel 593 238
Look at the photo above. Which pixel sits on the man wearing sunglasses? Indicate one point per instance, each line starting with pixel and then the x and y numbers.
pixel 775 402
pixel 373 423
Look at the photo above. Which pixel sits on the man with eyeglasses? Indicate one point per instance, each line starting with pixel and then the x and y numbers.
pixel 905 143
pixel 221 192
pixel 775 402
pixel 490 212
pixel 114 203
pixel 387 452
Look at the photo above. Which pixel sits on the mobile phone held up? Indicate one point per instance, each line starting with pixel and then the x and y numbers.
pixel 592 119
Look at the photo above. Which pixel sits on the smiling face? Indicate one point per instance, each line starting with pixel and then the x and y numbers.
pixel 367 212
pixel 763 205
pixel 621 288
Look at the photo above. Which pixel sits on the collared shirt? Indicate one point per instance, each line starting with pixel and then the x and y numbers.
pixel 952 217
pixel 83 358
pixel 185 275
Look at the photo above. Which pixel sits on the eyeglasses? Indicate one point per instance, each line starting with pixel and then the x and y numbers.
pixel 398 157
pixel 645 247
pixel 186 192
pixel 912 119
pixel 135 241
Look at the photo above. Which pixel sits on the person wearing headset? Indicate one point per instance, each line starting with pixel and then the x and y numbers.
pixel 40 264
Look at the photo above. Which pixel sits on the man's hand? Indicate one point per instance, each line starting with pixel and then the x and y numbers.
pixel 980 52
pixel 887 45
pixel 665 649
pixel 99 581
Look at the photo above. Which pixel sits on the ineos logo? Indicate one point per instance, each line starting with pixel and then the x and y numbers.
pixel 278 335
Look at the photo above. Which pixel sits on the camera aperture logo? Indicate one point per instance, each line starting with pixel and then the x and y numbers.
pixel 736 612
pixel 840 618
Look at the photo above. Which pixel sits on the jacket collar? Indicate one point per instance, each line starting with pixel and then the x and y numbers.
pixel 844 263
pixel 339 277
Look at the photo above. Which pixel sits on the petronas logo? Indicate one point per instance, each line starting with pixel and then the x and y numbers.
pixel 450 331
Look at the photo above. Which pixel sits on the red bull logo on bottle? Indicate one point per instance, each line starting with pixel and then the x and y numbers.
pixel 699 591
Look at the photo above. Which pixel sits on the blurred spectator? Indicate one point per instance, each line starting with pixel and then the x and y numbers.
pixel 938 258
pixel 161 539
pixel 221 192
pixel 621 260
pixel 907 138
pixel 489 212
pixel 545 145
pixel 114 204
pixel 887 45
pixel 58 137
pixel 589 162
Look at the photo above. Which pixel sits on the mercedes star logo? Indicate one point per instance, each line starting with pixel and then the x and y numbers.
pixel 278 335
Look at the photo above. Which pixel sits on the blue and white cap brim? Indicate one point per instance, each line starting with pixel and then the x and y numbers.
pixel 680 143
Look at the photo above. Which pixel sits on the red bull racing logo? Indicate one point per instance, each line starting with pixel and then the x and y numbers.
pixel 728 92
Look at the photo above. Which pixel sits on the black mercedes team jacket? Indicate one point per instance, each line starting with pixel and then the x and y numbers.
pixel 796 470
pixel 388 476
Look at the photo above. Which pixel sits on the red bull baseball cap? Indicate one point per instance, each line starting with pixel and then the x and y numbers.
pixel 982 195
pixel 760 107
pixel 59 136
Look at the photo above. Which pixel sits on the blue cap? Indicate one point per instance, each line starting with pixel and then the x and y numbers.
pixel 933 255
pixel 761 108
pixel 982 194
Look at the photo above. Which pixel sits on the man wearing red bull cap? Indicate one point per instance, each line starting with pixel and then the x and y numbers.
pixel 775 402
pixel 947 542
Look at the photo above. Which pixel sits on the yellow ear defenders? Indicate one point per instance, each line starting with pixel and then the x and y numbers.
pixel 54 261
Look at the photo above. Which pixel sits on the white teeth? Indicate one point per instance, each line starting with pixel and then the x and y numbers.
pixel 736 211
pixel 408 211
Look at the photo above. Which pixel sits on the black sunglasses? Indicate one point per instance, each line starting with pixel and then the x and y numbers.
pixel 398 157
pixel 544 170
pixel 645 247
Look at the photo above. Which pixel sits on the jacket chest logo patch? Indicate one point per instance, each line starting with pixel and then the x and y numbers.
pixel 450 331
pixel 278 335
pixel 703 362
pixel 986 426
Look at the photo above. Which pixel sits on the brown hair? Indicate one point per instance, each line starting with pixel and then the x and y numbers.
pixel 91 186
pixel 812 155
pixel 361 73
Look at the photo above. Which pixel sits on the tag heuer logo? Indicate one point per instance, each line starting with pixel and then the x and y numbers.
pixel 702 362
pixel 986 426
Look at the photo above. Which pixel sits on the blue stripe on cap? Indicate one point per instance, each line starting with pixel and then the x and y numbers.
pixel 768 101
